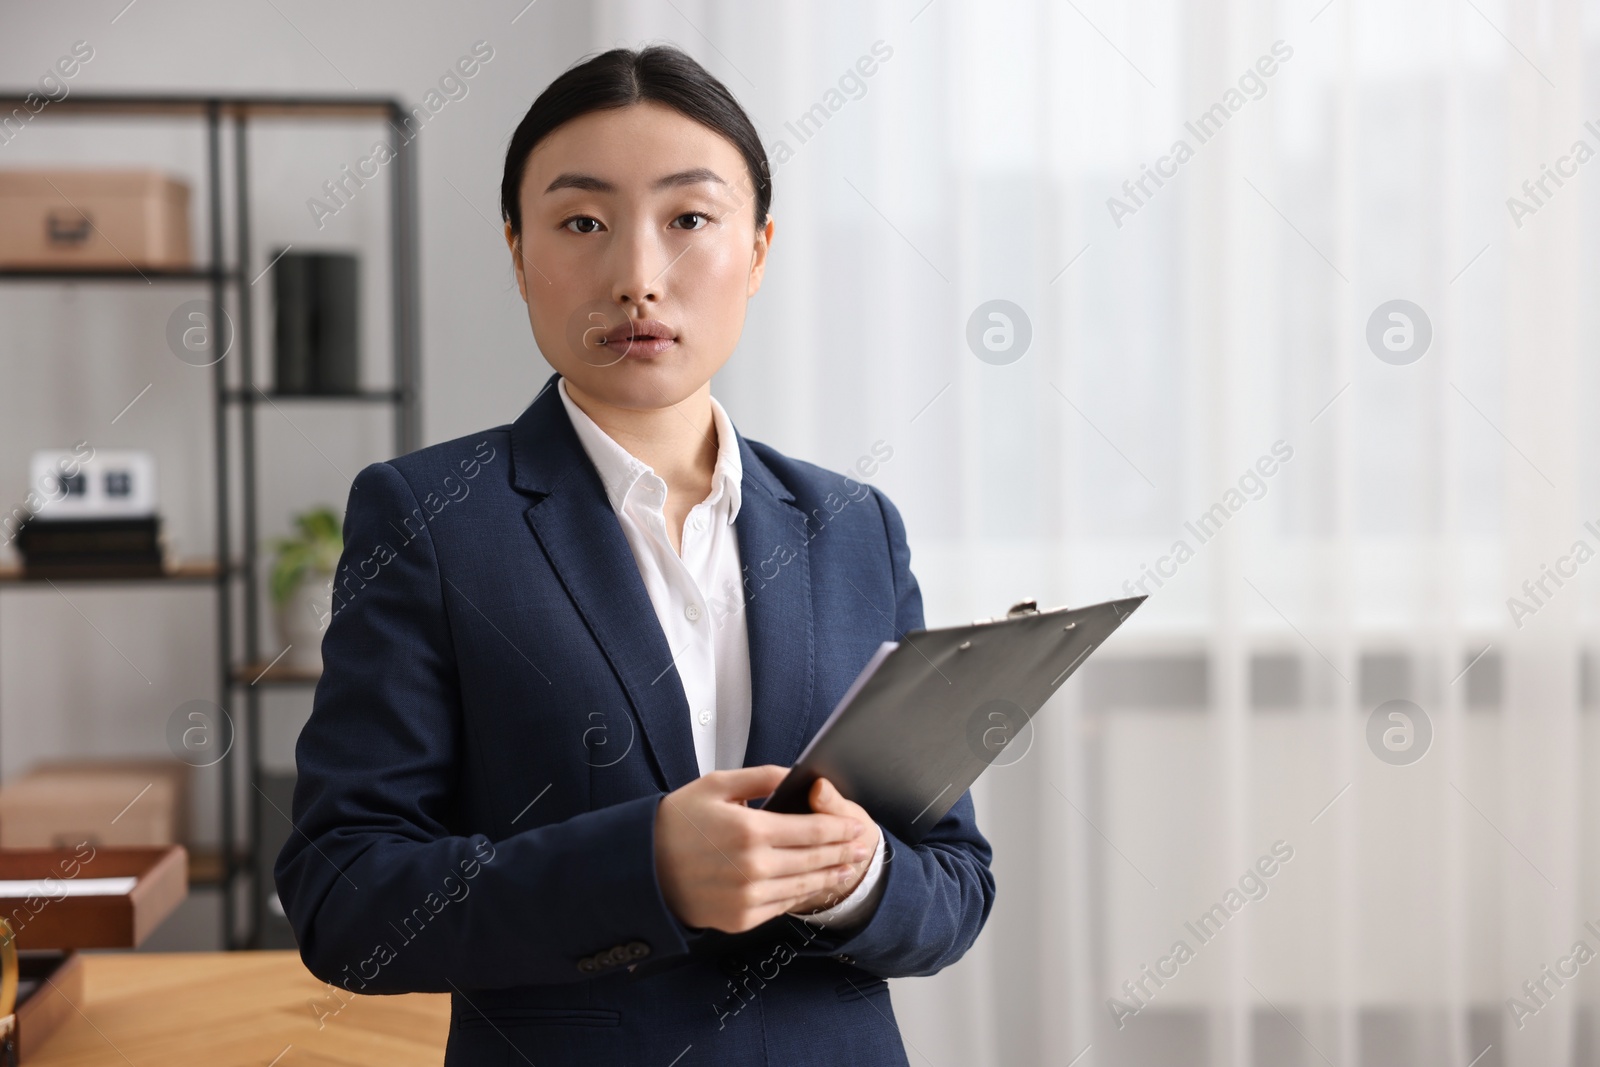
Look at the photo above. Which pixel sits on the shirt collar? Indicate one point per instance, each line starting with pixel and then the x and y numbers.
pixel 620 471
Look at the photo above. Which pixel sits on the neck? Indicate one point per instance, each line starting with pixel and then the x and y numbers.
pixel 678 442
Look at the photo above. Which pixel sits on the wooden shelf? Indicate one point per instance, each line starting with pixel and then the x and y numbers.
pixel 187 106
pixel 144 275
pixel 191 570
pixel 277 674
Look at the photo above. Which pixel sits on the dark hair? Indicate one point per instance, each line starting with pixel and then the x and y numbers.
pixel 623 76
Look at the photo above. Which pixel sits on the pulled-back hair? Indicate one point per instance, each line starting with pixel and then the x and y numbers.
pixel 623 76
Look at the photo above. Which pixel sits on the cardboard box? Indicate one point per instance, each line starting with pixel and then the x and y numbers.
pixel 59 805
pixel 94 219
pixel 177 772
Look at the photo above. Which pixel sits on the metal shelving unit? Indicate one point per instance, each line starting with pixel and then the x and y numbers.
pixel 244 666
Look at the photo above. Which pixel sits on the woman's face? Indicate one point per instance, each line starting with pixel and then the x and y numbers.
pixel 629 216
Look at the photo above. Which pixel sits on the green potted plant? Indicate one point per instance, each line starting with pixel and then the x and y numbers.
pixel 302 584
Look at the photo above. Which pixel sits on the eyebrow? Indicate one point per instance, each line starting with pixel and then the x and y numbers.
pixel 600 185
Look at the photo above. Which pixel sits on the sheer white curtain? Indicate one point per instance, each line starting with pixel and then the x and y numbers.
pixel 1353 514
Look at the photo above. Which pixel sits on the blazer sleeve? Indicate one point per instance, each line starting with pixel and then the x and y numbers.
pixel 383 896
pixel 937 894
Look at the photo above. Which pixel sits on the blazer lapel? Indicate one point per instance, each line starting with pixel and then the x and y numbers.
pixel 579 532
pixel 572 519
pixel 775 557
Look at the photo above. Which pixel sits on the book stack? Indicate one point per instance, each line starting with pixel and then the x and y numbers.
pixel 112 547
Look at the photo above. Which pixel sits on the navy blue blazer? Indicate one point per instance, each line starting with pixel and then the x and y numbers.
pixel 498 719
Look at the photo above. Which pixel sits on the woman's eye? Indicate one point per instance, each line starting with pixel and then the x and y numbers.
pixel 694 215
pixel 580 220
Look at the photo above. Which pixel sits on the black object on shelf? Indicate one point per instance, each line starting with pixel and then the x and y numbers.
pixel 84 548
pixel 317 298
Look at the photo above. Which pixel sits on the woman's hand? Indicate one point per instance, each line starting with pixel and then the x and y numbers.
pixel 730 867
pixel 826 798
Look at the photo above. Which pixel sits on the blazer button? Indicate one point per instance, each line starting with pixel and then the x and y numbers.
pixel 638 950
pixel 587 965
pixel 843 958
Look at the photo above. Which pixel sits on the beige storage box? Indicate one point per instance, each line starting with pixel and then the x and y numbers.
pixel 61 805
pixel 94 219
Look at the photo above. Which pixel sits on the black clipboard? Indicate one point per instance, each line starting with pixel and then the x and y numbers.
pixel 930 713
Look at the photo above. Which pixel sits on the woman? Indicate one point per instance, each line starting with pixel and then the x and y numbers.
pixel 564 653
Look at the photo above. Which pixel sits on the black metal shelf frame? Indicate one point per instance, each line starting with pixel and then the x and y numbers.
pixel 242 395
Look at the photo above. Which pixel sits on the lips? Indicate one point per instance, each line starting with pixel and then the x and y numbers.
pixel 647 333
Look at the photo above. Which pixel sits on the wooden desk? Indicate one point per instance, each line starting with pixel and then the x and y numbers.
pixel 237 1009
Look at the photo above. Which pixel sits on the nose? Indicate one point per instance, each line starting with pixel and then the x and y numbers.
pixel 641 270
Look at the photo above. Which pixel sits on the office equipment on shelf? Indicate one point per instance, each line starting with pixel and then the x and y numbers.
pixel 99 484
pixel 93 516
pixel 318 312
pixel 116 219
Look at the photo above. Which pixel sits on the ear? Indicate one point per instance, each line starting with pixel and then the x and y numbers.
pixel 758 256
pixel 514 242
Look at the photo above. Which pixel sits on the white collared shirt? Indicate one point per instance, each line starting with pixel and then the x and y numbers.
pixel 698 596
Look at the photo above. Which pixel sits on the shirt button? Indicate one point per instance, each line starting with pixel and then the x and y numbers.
pixel 698 522
pixel 705 716
pixel 691 612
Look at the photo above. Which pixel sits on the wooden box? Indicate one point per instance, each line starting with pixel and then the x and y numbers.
pixel 54 911
pixel 57 901
pixel 94 219
pixel 49 986
pixel 109 802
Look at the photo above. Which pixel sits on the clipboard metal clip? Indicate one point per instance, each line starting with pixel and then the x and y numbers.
pixel 1020 608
